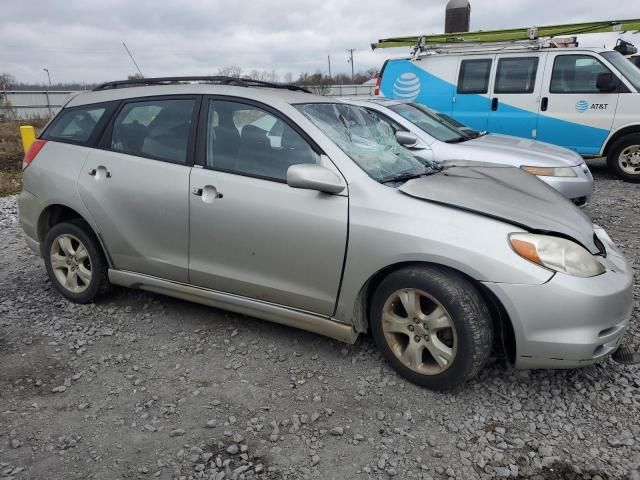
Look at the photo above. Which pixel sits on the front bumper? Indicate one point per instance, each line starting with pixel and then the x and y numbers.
pixel 578 189
pixel 569 321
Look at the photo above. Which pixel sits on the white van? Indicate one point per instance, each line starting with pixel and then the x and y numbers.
pixel 584 99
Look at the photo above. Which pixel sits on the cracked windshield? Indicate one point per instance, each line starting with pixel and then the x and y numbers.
pixel 368 140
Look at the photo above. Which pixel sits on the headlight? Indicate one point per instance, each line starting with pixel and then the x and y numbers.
pixel 557 254
pixel 549 171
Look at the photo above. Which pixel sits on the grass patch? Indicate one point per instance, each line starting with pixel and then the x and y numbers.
pixel 10 182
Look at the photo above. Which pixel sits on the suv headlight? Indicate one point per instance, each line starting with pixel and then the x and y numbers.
pixel 557 254
pixel 549 171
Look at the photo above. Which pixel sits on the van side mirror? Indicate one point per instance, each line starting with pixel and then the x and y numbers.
pixel 310 176
pixel 606 82
pixel 406 139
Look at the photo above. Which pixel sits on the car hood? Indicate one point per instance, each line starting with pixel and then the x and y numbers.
pixel 507 194
pixel 516 151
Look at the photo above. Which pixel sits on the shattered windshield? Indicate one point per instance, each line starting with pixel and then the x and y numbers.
pixel 368 140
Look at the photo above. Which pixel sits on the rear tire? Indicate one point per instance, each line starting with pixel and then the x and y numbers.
pixel 623 159
pixel 75 262
pixel 432 326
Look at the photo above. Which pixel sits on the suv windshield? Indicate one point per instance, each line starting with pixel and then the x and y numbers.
pixel 429 123
pixel 368 140
pixel 625 67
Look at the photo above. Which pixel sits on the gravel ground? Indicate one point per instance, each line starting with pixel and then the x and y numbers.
pixel 145 386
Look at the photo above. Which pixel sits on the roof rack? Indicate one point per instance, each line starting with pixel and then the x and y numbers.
pixel 218 80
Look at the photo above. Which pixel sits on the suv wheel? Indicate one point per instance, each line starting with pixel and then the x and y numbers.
pixel 75 262
pixel 623 159
pixel 432 326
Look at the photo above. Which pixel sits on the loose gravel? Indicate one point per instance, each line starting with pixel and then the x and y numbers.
pixel 145 386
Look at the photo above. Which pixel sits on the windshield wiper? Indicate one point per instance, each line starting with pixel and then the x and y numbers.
pixel 458 140
pixel 405 176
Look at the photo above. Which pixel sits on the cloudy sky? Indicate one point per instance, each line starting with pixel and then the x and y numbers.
pixel 81 40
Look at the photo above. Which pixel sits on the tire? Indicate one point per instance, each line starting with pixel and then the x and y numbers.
pixel 462 341
pixel 68 261
pixel 623 159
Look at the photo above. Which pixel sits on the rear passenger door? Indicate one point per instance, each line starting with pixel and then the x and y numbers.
pixel 516 94
pixel 251 234
pixel 471 102
pixel 136 185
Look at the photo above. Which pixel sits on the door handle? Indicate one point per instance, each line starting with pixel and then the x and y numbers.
pixel 494 104
pixel 544 104
pixel 94 171
pixel 209 193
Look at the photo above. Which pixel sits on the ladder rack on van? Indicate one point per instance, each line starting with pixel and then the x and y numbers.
pixel 531 36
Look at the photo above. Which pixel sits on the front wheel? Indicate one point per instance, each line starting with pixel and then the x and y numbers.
pixel 432 326
pixel 623 159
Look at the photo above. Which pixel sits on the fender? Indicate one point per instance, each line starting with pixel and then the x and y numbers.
pixel 617 134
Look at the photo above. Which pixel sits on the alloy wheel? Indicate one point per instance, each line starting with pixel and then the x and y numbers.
pixel 70 263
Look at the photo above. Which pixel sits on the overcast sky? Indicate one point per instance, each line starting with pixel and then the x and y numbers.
pixel 81 40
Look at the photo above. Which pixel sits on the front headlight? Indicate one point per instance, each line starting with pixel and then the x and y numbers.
pixel 557 254
pixel 549 171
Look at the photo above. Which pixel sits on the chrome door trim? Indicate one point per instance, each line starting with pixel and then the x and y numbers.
pixel 247 306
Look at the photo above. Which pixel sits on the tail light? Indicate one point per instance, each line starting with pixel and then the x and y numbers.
pixel 34 149
pixel 376 91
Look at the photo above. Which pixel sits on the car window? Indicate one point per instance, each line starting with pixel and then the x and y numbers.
pixel 157 129
pixel 248 140
pixel 576 74
pixel 474 76
pixel 516 75
pixel 427 122
pixel 75 125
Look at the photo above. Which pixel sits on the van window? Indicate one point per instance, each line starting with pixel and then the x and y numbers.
pixel 576 74
pixel 75 125
pixel 516 75
pixel 157 129
pixel 474 76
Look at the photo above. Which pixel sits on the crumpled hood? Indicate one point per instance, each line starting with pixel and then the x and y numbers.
pixel 525 151
pixel 505 193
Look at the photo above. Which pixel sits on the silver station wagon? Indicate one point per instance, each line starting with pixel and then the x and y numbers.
pixel 320 221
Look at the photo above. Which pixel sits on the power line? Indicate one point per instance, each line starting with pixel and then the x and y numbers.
pixel 132 59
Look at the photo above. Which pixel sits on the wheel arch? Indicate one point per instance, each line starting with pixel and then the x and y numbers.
pixel 505 339
pixel 629 129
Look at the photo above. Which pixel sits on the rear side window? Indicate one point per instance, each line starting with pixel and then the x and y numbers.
pixel 474 76
pixel 156 129
pixel 516 75
pixel 576 74
pixel 75 125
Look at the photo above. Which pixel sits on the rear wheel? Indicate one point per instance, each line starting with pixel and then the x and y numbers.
pixel 432 326
pixel 623 159
pixel 75 262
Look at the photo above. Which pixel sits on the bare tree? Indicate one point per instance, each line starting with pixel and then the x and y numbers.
pixel 288 77
pixel 7 81
pixel 231 71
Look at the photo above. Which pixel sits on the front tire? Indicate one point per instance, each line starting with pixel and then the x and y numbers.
pixel 623 159
pixel 432 326
pixel 75 262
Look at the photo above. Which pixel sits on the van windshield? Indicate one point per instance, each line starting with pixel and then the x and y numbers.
pixel 368 140
pixel 429 122
pixel 625 67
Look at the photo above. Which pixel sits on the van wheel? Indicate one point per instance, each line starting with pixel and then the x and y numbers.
pixel 74 261
pixel 432 326
pixel 623 159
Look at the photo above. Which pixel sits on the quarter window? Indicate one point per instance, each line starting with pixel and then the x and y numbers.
pixel 75 125
pixel 576 74
pixel 516 75
pixel 474 76
pixel 248 140
pixel 157 129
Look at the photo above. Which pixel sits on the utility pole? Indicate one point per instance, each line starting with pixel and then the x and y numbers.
pixel 350 60
pixel 132 59
pixel 329 60
pixel 46 93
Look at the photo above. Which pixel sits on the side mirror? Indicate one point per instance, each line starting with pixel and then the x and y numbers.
pixel 406 139
pixel 314 177
pixel 606 82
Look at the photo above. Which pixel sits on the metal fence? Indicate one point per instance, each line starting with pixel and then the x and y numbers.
pixel 25 104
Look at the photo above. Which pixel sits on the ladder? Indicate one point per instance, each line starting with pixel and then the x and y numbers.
pixel 532 34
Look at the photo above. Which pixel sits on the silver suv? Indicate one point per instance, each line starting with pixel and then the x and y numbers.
pixel 322 222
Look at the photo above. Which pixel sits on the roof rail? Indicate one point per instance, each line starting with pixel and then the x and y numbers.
pixel 218 80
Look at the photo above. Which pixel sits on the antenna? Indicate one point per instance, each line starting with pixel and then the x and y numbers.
pixel 132 59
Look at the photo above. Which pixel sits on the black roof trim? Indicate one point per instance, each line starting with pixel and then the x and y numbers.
pixel 219 80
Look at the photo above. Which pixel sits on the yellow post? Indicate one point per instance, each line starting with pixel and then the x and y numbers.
pixel 28 134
